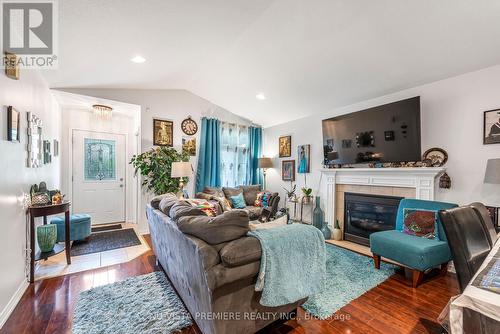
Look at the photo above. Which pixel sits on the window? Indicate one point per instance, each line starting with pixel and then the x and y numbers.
pixel 235 154
pixel 100 159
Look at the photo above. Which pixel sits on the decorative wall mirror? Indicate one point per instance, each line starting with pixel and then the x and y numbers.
pixel 35 145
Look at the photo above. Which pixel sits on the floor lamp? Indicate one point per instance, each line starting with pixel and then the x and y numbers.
pixel 265 163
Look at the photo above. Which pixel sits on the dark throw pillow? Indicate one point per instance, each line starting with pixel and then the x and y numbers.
pixel 250 193
pixel 420 223
pixel 226 227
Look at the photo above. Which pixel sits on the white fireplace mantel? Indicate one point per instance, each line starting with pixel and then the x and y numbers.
pixel 422 179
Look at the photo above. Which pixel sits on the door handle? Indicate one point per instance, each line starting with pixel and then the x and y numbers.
pixel 121 178
pixel 121 185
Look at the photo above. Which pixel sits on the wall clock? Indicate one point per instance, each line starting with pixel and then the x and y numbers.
pixel 189 126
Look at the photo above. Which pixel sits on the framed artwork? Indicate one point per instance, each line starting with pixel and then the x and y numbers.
pixel 47 157
pixel 34 146
pixel 11 66
pixel 56 147
pixel 304 154
pixel 13 124
pixel 288 170
pixel 163 132
pixel 491 127
pixel 189 145
pixel 285 146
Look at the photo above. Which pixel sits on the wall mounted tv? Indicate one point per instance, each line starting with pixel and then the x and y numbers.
pixel 387 133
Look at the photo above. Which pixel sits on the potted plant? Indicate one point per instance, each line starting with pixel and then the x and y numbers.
pixel 306 198
pixel 155 166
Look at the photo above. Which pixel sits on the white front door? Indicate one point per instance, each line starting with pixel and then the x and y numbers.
pixel 99 176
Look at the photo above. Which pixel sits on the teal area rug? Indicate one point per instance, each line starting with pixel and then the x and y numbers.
pixel 143 304
pixel 348 276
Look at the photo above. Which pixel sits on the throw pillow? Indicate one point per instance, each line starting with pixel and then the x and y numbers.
pixel 214 191
pixel 183 208
pixel 205 206
pixel 228 226
pixel 238 201
pixel 250 193
pixel 167 202
pixel 228 192
pixel 420 223
pixel 262 199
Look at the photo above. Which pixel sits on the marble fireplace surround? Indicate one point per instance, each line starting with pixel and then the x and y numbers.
pixel 419 183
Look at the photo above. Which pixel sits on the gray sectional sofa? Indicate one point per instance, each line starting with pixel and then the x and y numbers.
pixel 213 265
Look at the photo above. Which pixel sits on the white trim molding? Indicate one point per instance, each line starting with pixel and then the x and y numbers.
pixel 422 179
pixel 11 305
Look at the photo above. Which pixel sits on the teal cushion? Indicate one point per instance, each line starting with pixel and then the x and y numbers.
pixel 413 252
pixel 238 201
pixel 80 227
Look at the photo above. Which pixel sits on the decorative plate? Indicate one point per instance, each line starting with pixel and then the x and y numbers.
pixel 435 156
pixel 189 126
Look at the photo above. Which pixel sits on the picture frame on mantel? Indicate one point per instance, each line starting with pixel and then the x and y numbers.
pixel 491 127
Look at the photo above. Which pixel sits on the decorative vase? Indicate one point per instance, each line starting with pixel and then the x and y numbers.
pixel 47 237
pixel 337 232
pixel 318 214
pixel 327 233
pixel 306 199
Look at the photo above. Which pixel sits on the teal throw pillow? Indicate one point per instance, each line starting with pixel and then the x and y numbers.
pixel 238 201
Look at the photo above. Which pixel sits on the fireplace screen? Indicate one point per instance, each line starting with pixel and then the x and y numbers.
pixel 365 214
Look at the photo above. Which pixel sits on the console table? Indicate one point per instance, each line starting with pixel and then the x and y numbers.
pixel 44 211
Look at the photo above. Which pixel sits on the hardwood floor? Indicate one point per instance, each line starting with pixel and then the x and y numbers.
pixel 392 307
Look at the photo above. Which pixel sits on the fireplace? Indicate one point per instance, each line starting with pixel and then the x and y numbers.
pixel 365 214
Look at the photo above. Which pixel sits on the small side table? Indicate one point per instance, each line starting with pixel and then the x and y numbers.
pixel 44 211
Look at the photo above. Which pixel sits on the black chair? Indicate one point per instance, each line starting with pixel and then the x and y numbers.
pixel 469 242
pixel 485 217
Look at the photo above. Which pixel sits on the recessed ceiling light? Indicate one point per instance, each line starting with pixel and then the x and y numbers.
pixel 260 96
pixel 138 59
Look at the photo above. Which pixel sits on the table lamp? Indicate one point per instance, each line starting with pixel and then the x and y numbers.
pixel 492 174
pixel 181 170
pixel 265 163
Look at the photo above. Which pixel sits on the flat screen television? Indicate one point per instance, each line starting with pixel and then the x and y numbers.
pixel 383 134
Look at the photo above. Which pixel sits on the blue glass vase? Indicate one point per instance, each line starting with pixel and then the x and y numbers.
pixel 318 215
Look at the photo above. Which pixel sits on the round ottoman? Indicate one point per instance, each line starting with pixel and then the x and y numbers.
pixel 79 227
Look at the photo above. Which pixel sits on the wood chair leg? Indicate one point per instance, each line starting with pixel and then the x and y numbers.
pixel 376 261
pixel 417 277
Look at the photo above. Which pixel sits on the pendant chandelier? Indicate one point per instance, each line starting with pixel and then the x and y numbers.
pixel 102 111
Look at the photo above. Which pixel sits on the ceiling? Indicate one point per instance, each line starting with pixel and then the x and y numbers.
pixel 307 57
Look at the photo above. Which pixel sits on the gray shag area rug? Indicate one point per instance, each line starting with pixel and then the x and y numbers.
pixel 143 304
pixel 105 241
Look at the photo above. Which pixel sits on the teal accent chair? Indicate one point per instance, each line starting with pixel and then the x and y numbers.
pixel 79 227
pixel 416 253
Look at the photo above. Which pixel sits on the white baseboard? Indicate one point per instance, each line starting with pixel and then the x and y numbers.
pixel 13 302
pixel 144 231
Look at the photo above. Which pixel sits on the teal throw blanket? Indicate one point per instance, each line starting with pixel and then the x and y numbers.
pixel 293 263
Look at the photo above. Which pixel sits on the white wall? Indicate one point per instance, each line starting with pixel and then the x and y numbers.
pixel 452 118
pixel 170 104
pixel 30 93
pixel 83 119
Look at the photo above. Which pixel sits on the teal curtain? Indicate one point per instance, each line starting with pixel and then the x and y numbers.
pixel 209 159
pixel 254 173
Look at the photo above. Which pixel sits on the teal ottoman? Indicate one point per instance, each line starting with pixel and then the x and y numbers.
pixel 79 227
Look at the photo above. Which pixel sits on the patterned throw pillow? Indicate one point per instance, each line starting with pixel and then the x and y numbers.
pixel 238 201
pixel 207 207
pixel 420 223
pixel 262 199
